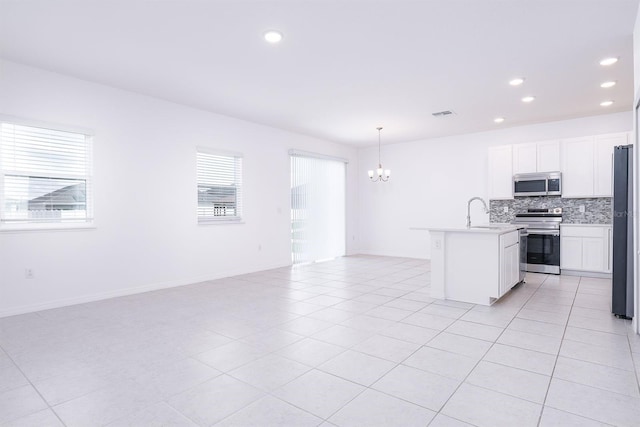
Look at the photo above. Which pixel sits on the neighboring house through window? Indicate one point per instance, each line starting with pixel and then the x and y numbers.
pixel 45 176
pixel 219 186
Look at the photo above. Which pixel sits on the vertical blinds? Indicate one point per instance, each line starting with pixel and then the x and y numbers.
pixel 219 186
pixel 45 175
pixel 317 208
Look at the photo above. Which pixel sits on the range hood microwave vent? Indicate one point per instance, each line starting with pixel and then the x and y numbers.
pixel 537 184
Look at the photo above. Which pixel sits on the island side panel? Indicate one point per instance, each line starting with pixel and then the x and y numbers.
pixel 471 266
pixel 437 264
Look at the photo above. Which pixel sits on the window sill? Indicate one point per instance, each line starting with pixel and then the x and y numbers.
pixel 220 222
pixel 20 228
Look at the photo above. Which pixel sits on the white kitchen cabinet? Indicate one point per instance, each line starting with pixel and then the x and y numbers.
pixel 509 262
pixel 541 156
pixel 585 248
pixel 587 165
pixel 578 167
pixel 525 158
pixel 500 172
pixel 548 156
pixel 603 166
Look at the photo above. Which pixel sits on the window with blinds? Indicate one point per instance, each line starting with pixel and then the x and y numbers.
pixel 45 175
pixel 219 186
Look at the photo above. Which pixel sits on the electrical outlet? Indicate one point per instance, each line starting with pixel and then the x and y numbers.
pixel 28 273
pixel 438 244
pixel 505 209
pixel 259 247
pixel 582 209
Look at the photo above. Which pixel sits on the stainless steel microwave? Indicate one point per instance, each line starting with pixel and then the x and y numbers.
pixel 537 184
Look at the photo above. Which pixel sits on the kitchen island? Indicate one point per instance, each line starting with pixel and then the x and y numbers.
pixel 476 265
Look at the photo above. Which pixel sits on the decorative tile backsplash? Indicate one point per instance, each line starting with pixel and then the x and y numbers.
pixel 597 210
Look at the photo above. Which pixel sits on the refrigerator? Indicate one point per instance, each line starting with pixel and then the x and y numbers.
pixel 622 274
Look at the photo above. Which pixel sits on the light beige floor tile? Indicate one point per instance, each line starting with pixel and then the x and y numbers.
pixel 600 405
pixel 603 339
pixel 229 395
pixel 597 354
pixel 475 330
pixel 516 357
pixel 447 364
pixel 270 411
pixel 535 327
pixel 45 418
pixel 357 367
pixel 529 341
pixel 414 385
pixel 230 356
pixel 387 348
pixel 595 375
pixel 376 409
pixel 512 381
pixel 410 333
pixel 319 393
pixel 19 402
pixel 555 418
pixel 159 414
pixel 482 407
pixel 269 372
pixel 343 336
pixel 430 321
pixel 459 344
pixel 311 352
pixel 442 420
pixel 389 313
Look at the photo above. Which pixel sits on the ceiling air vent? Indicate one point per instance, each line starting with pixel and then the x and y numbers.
pixel 442 113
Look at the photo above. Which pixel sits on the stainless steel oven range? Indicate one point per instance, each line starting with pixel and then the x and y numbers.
pixel 543 241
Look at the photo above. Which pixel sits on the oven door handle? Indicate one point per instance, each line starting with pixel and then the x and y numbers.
pixel 544 232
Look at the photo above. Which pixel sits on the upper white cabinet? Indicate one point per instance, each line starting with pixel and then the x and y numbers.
pixel 587 165
pixel 548 156
pixel 603 166
pixel 536 157
pixel 524 158
pixel 500 172
pixel 577 167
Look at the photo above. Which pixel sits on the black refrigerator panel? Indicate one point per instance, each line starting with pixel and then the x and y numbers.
pixel 622 275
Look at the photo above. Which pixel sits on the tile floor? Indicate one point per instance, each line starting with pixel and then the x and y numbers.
pixel 351 342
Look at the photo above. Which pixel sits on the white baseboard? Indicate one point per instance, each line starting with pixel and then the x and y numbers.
pixel 64 302
pixel 390 254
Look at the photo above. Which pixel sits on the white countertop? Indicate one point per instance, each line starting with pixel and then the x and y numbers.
pixel 584 225
pixel 493 228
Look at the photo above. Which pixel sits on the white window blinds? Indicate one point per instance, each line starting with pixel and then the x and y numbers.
pixel 45 175
pixel 219 186
pixel 317 208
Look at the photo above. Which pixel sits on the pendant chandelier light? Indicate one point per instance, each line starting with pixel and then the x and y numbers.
pixel 379 174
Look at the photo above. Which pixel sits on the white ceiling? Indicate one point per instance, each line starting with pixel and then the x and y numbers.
pixel 344 66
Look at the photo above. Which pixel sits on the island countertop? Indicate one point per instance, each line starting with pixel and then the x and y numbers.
pixel 493 228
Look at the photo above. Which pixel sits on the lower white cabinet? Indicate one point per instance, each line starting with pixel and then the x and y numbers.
pixel 585 248
pixel 509 262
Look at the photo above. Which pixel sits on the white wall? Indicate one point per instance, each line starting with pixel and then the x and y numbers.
pixel 432 180
pixel 144 158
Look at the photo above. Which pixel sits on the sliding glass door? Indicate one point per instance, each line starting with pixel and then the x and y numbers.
pixel 317 208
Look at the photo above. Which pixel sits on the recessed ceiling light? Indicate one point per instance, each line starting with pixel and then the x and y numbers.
pixel 516 82
pixel 608 84
pixel 528 98
pixel 606 103
pixel 499 119
pixel 608 61
pixel 273 36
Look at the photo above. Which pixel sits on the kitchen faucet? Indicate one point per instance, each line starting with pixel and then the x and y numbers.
pixel 486 209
